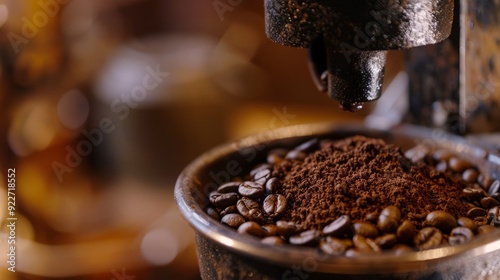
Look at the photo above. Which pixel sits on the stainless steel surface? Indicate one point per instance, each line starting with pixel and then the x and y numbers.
pixel 354 35
pixel 225 254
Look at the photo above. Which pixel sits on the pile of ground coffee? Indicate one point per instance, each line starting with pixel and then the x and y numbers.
pixel 359 177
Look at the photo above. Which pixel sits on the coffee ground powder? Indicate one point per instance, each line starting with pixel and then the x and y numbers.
pixel 359 177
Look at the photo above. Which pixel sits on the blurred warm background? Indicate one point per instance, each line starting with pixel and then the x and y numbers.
pixel 104 102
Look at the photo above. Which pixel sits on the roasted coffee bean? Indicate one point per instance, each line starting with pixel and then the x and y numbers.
pixel 468 223
pixel 476 212
pixel 338 227
pixel 306 238
pixel 406 231
pixel 485 181
pixel 389 218
pixel 287 229
pixel 442 220
pixel 213 213
pixel 372 217
pixel 365 244
pixel 272 185
pixel 496 196
pixel 251 189
pixel 401 249
pixel 226 199
pixel 335 246
pixel 485 229
pixel 244 205
pixel 460 235
pixel 276 156
pixel 270 229
pixel 459 165
pixel 473 194
pixel 441 166
pixel 229 210
pixel 428 238
pixel 274 205
pixel 470 175
pixel 308 146
pixel 260 167
pixel 354 253
pixel 262 174
pixel 213 196
pixel 386 241
pixel 256 215
pixel 273 240
pixel 296 155
pixel 230 187
pixel 494 216
pixel 488 202
pixel 442 155
pixel 494 188
pixel 233 220
pixel 366 229
pixel 251 228
pixel 480 221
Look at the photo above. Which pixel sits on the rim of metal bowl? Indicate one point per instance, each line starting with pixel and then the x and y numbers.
pixel 288 255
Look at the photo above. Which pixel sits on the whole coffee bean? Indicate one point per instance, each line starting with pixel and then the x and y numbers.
pixel 389 218
pixel 306 238
pixel 480 221
pixel 251 189
pixel 335 246
pixel 245 204
pixel 459 165
pixel 468 223
pixel 213 196
pixel 460 235
pixel 470 175
pixel 259 168
pixel 338 227
pixel 428 238
pixel 251 228
pixel 442 155
pixel 263 174
pixel 473 194
pixel 442 220
pixel 213 213
pixel 494 216
pixel 270 229
pixel 365 244
pixel 372 217
pixel 494 187
pixel 274 205
pixel 229 210
pixel 441 166
pixel 496 196
pixel 485 181
pixel 233 220
pixel 476 212
pixel 386 241
pixel 272 185
pixel 287 229
pixel 273 240
pixel 256 215
pixel 366 229
pixel 401 249
pixel 354 253
pixel 406 231
pixel 226 199
pixel 230 187
pixel 488 202
pixel 296 155
pixel 485 229
pixel 276 156
pixel 308 146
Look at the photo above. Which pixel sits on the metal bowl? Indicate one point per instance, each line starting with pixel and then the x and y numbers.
pixel 225 254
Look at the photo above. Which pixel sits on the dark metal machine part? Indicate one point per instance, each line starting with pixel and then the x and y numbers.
pixel 353 36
